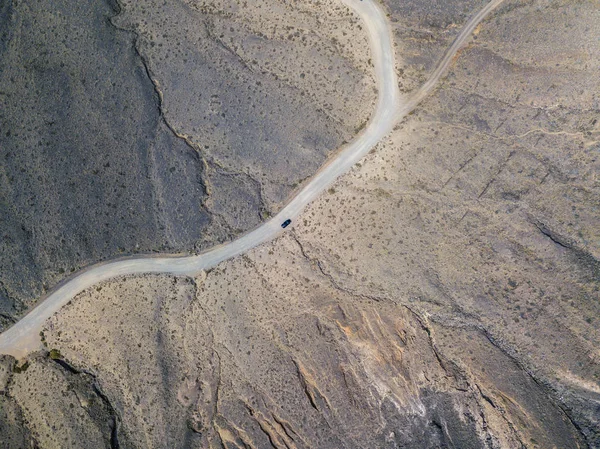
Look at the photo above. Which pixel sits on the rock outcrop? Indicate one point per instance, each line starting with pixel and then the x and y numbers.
pixel 444 293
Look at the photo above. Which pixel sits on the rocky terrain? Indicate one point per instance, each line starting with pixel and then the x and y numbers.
pixel 138 127
pixel 442 294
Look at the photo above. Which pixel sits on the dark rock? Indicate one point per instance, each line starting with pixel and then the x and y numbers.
pixel 89 171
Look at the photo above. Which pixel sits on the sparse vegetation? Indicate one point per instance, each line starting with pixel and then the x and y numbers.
pixel 17 368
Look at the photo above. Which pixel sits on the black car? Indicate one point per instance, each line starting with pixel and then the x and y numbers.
pixel 286 223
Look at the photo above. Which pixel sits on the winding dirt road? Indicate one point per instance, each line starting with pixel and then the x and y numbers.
pixel 23 337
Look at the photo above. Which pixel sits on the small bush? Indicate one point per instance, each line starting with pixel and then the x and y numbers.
pixel 20 368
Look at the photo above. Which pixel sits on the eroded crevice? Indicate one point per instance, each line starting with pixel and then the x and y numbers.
pixel 544 386
pixel 467 321
pixel 214 378
pixel 461 376
pixel 285 427
pixel 460 168
pixel 263 209
pixel 283 81
pixel 159 94
pixel 18 429
pixel 114 416
pixel 551 393
pixel 501 168
pixel 205 160
pixel 514 433
pixel 160 106
pixel 271 438
pixel 304 385
pixel 513 105
pixel 218 386
pixel 114 433
pixel 582 257
pixel 72 385
pixel 211 35
pixel 452 372
pixel 464 383
pixel 315 262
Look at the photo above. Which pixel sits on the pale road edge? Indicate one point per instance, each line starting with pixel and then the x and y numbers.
pixel 24 336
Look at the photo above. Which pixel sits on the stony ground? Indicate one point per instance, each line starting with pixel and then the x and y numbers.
pixel 141 127
pixel 442 294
